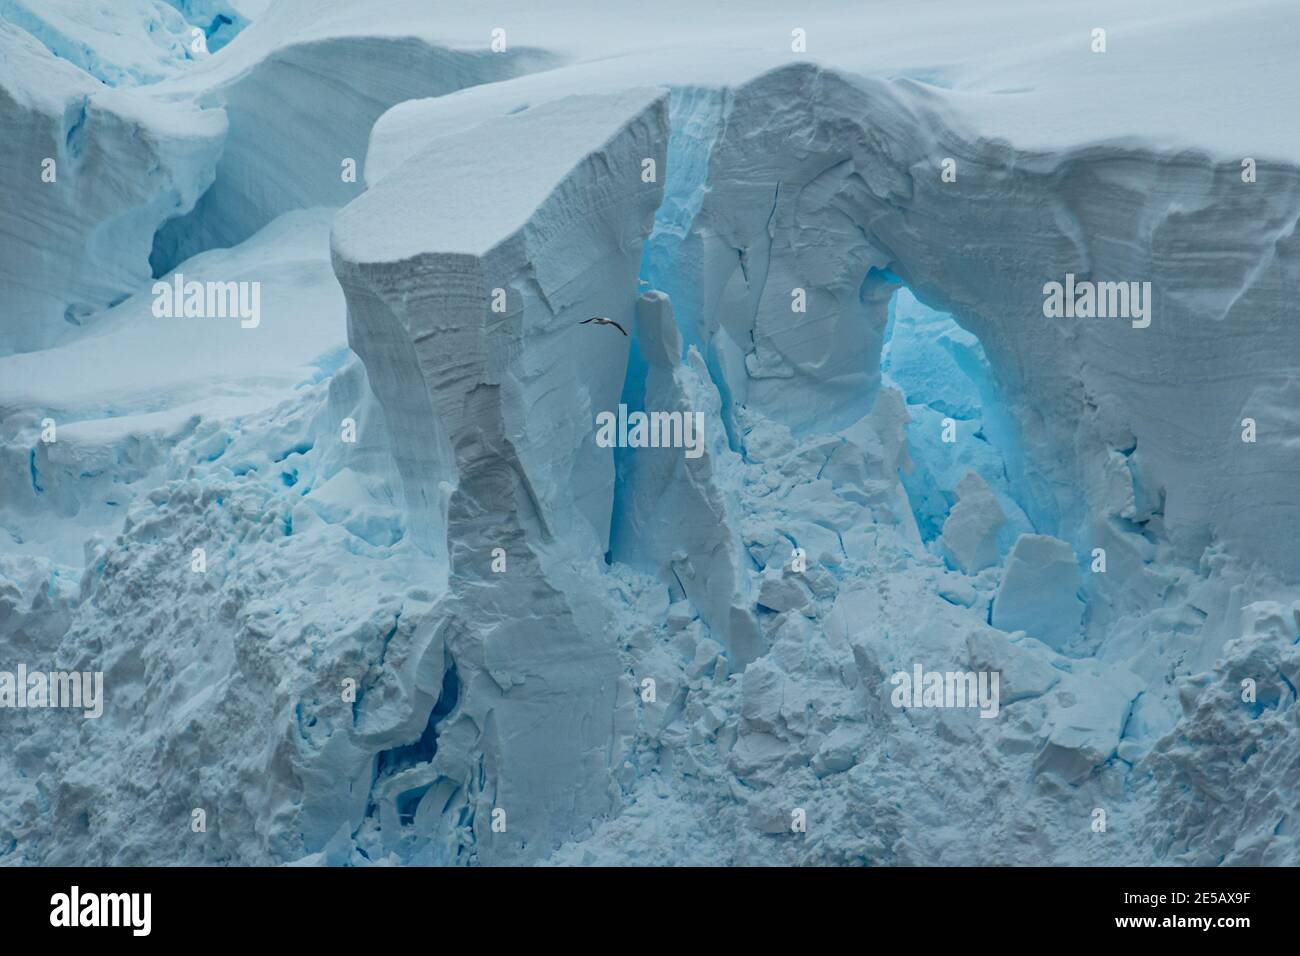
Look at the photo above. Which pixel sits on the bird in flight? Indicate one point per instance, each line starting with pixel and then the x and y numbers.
pixel 601 320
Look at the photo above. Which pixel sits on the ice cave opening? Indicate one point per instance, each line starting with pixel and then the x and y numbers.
pixel 959 425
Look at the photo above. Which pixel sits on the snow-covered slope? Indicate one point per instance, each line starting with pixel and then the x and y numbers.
pixel 368 582
pixel 120 409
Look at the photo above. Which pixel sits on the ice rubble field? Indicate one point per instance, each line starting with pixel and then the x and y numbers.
pixel 519 695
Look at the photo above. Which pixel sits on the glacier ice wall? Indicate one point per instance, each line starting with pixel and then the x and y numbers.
pixel 80 242
pixel 489 414
pixel 804 180
pixel 568 653
pixel 200 153
pixel 302 110
pixel 848 164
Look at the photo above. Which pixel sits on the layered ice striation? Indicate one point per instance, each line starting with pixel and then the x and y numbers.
pixel 99 170
pixel 152 168
pixel 490 416
pixel 439 622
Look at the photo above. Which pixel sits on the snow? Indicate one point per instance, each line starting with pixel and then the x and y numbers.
pixel 121 44
pixel 633 655
pixel 136 383
pixel 451 212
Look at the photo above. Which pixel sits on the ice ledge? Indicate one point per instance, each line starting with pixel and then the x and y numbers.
pixel 470 191
pixel 454 286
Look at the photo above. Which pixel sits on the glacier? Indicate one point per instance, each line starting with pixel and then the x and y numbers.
pixel 366 589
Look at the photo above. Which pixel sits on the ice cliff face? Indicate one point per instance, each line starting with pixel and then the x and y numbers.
pixel 100 174
pixel 208 152
pixel 439 621
pixel 301 115
pixel 849 179
pixel 488 414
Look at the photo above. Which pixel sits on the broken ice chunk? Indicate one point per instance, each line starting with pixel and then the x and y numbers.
pixel 838 752
pixel 970 533
pixel 781 591
pixel 656 330
pixel 1086 721
pixel 1039 593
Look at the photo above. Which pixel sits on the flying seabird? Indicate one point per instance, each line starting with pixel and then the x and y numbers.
pixel 601 320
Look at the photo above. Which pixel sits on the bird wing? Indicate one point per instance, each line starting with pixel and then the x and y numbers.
pixel 601 320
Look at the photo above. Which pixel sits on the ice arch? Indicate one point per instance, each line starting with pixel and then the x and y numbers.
pixel 820 182
pixel 944 376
